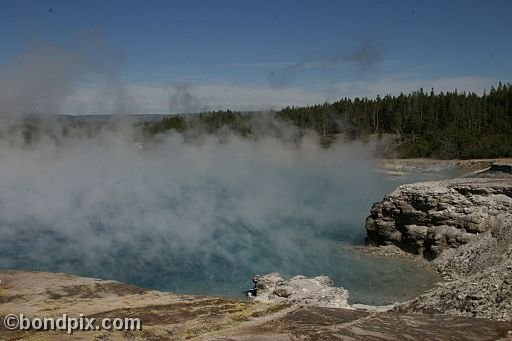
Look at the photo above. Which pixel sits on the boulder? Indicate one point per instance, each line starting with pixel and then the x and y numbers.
pixel 316 291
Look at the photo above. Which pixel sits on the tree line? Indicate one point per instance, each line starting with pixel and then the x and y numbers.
pixel 423 124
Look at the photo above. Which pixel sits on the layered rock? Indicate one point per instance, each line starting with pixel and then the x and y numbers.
pixel 480 274
pixel 317 291
pixel 428 217
pixel 464 226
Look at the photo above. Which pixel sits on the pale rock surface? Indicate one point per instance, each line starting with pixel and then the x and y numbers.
pixel 427 218
pixel 167 316
pixel 316 291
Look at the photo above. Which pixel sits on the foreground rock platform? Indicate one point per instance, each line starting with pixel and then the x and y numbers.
pixel 167 316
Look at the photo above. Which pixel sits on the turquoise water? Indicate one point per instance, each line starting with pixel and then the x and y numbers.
pixel 370 279
pixel 200 220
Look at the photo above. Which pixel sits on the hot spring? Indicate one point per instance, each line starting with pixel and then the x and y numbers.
pixel 198 217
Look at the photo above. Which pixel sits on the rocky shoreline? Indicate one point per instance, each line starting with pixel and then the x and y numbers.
pixel 400 167
pixel 168 316
pixel 463 228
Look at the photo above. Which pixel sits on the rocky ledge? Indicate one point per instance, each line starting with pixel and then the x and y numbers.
pixel 464 228
pixel 427 217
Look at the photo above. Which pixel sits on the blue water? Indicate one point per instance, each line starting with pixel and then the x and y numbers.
pixel 200 221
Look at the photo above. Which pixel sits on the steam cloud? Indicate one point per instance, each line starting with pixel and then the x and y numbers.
pixel 364 57
pixel 44 76
pixel 194 217
pixel 39 80
pixel 198 216
pixel 182 101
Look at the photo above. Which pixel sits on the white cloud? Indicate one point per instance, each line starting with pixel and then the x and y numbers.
pixel 156 97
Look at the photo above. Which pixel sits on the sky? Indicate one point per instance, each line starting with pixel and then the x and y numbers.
pixel 163 57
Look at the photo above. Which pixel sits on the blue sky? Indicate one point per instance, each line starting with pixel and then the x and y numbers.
pixel 258 54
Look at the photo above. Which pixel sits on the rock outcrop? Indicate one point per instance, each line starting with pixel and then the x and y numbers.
pixel 480 274
pixel 300 290
pixel 464 227
pixel 428 217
